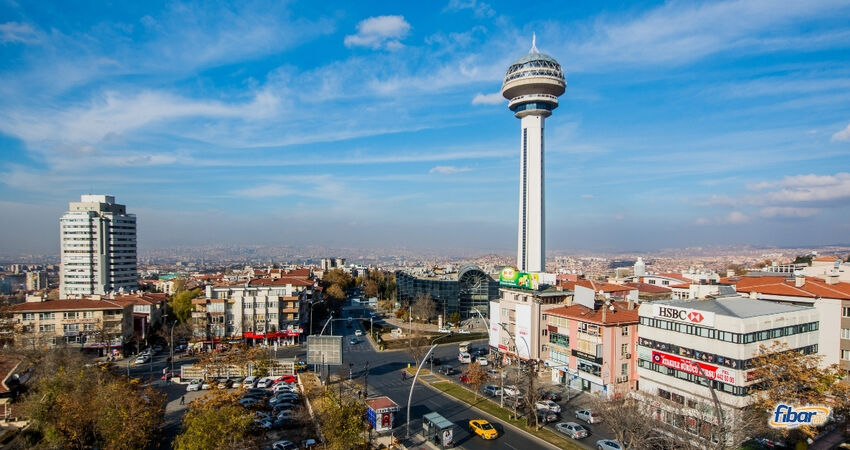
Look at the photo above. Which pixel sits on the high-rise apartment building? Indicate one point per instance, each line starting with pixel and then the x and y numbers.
pixel 532 86
pixel 98 247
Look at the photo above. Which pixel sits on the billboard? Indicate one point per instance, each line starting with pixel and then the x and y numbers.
pixel 495 318
pixel 324 350
pixel 512 277
pixel 523 331
pixel 690 366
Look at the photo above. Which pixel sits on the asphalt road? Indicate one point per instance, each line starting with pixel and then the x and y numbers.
pixel 385 378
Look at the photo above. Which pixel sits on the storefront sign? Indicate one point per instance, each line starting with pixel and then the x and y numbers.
pixel 512 277
pixel 705 318
pixel 693 367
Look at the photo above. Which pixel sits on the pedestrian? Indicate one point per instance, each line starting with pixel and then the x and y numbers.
pixel 403 375
pixel 183 400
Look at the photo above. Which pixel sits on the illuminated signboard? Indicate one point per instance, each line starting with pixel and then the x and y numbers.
pixel 662 311
pixel 709 371
pixel 511 277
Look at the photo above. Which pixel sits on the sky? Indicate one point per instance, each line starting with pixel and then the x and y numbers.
pixel 380 124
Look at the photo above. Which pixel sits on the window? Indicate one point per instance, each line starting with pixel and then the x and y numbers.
pixel 845 355
pixel 69 315
pixel 845 333
pixel 50 327
pixel 624 369
pixel 624 349
pixel 624 331
pixel 28 316
pixel 46 316
pixel 846 311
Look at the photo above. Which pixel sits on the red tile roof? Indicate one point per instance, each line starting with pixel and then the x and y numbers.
pixel 812 288
pixel 65 305
pixel 674 275
pixel 827 258
pixel 381 403
pixel 283 281
pixel 8 364
pixel 681 286
pixel 597 286
pixel 621 315
pixel 649 288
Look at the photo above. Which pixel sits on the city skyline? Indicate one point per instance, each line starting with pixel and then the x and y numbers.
pixel 686 124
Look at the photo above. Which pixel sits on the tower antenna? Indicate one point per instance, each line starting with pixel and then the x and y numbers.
pixel 534 43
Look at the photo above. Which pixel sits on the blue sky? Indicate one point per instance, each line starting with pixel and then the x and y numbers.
pixel 365 124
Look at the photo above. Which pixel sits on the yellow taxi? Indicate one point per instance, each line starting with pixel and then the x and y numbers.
pixel 483 428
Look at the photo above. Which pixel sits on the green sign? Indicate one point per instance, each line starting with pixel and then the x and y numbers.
pixel 511 277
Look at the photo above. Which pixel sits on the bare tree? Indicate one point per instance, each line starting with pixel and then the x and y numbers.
pixel 476 376
pixel 417 347
pixel 424 307
pixel 531 386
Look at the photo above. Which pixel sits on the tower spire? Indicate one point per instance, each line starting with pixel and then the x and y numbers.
pixel 534 43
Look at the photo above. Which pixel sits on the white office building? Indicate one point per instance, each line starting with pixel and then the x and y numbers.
pixel 98 248
pixel 532 86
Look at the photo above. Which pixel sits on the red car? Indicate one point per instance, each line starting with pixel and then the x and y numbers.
pixel 285 379
pixel 464 378
pixel 169 375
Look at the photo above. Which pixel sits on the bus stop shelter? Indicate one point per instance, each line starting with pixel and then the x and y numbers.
pixel 438 430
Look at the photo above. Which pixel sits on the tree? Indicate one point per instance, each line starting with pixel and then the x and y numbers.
pixel 338 277
pixel 217 421
pixel 788 376
pixel 370 288
pixel 76 405
pixel 804 259
pixel 181 304
pixel 454 318
pixel 628 420
pixel 334 292
pixel 738 269
pixel 476 376
pixel 424 307
pixel 530 386
pixel 342 419
pixel 417 347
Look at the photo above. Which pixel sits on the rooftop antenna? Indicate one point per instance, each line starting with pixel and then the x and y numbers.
pixel 534 43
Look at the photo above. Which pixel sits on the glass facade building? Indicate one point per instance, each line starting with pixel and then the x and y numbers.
pixel 472 289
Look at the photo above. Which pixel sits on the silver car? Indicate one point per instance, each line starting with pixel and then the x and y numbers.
pixel 607 444
pixel 572 430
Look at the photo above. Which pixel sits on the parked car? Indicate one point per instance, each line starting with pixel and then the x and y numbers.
pixel 464 378
pixel 258 392
pixel 483 428
pixel 249 382
pixel 157 348
pixel 284 445
pixel 263 424
pixel 286 415
pixel 554 396
pixel 249 401
pixel 309 444
pixel 194 385
pixel 237 383
pixel 482 361
pixel 358 333
pixel 549 405
pixel 142 359
pixel 492 390
pixel 464 357
pixel 225 384
pixel 463 331
pixel 353 341
pixel 448 370
pixel 284 387
pixel 607 444
pixel 546 416
pixel 572 430
pixel 443 330
pixel 169 375
pixel 265 382
pixel 493 373
pixel 588 416
pixel 285 379
pixel 512 391
pixel 206 385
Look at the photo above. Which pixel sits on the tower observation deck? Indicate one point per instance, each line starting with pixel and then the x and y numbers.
pixel 532 86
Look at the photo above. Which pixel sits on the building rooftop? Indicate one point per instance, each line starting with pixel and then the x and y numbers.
pixel 620 316
pixel 737 306
pixel 779 285
pixel 649 288
pixel 64 305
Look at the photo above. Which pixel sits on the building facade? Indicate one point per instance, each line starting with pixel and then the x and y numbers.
pixel 518 322
pixel 36 280
pixel 100 325
pixel 98 248
pixel 592 349
pixel 472 290
pixel 685 344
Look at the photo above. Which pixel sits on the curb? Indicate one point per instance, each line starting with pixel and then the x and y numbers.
pixel 542 441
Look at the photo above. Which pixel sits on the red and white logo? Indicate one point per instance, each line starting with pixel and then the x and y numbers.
pixel 695 317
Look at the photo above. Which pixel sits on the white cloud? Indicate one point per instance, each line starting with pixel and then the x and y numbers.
pixel 480 9
pixel 702 221
pixel 265 191
pixel 448 170
pixel 19 32
pixel 787 211
pixel 843 135
pixel 488 99
pixel 734 218
pixel 379 32
pixel 587 196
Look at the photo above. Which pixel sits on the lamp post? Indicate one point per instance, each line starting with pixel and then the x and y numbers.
pixel 171 347
pixel 415 377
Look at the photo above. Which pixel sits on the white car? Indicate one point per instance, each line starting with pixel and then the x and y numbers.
pixel 607 444
pixel 142 359
pixel 194 385
pixel 463 331
pixel 358 333
pixel 482 361
pixel 265 382
pixel 588 416
pixel 548 405
pixel 443 330
pixel 284 445
pixel 492 390
pixel 511 390
pixel 284 387
pixel 249 382
pixel 572 430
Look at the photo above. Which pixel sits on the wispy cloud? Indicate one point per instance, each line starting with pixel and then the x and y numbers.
pixel 19 32
pixel 787 211
pixel 843 135
pixel 448 170
pixel 379 32
pixel 488 99
pixel 479 8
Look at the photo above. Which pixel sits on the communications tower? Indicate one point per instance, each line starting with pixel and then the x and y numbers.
pixel 532 86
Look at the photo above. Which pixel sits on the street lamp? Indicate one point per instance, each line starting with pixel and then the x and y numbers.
pixel 415 377
pixel 172 347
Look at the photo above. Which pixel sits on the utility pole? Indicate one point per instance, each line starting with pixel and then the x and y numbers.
pixel 366 382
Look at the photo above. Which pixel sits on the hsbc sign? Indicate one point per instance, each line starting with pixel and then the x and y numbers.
pixel 691 316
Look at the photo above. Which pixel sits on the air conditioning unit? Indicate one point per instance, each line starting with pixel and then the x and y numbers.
pixel 627 355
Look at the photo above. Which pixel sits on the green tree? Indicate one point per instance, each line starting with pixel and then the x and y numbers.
pixel 342 420
pixel 804 259
pixel 75 405
pixel 454 318
pixel 217 421
pixel 335 292
pixel 181 304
